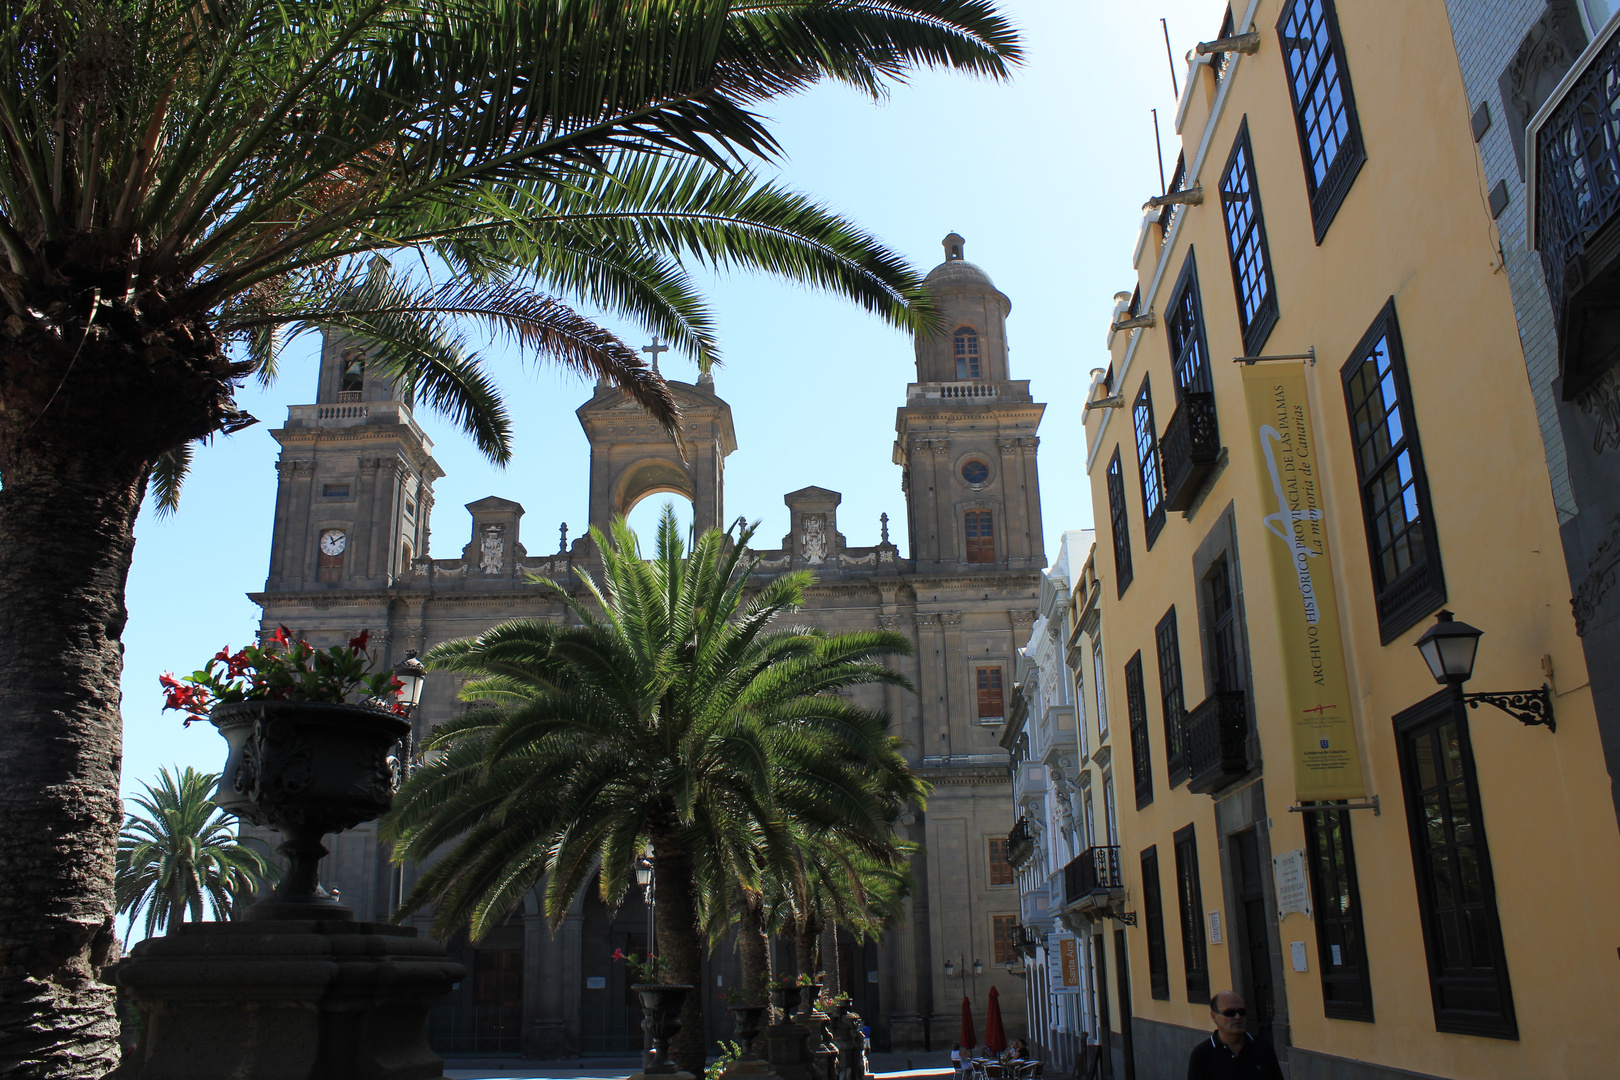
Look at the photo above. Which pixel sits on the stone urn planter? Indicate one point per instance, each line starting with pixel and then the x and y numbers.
pixel 749 1021
pixel 660 1022
pixel 786 998
pixel 305 769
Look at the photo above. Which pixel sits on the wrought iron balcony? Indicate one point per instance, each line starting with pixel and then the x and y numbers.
pixel 1575 188
pixel 1020 843
pixel 1189 449
pixel 1092 886
pixel 1026 939
pixel 1217 741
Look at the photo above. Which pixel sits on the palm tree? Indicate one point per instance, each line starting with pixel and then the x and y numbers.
pixel 182 852
pixel 184 186
pixel 673 715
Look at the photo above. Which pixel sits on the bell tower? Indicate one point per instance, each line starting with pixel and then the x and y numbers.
pixel 967 433
pixel 354 481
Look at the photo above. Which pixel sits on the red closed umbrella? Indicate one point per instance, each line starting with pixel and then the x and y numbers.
pixel 995 1034
pixel 969 1039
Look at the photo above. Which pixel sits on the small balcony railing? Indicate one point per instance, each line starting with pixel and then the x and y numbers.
pixel 1574 141
pixel 1092 872
pixel 1190 448
pixel 1217 741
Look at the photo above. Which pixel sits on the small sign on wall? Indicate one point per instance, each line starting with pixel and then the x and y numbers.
pixel 1298 949
pixel 1293 889
pixel 596 982
pixel 1215 928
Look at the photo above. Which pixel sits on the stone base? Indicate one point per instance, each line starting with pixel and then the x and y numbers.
pixel 905 1033
pixel 297 1000
pixel 749 1070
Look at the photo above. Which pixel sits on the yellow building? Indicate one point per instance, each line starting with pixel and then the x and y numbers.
pixel 1399 884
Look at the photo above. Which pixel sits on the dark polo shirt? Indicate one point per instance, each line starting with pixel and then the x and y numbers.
pixel 1211 1060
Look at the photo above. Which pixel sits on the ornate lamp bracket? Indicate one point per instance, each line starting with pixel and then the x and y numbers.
pixel 1126 917
pixel 1529 707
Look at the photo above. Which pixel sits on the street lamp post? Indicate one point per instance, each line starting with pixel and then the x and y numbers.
pixel 959 969
pixel 1448 648
pixel 644 878
pixel 410 674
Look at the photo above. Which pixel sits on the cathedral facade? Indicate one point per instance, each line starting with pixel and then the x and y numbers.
pixel 351 551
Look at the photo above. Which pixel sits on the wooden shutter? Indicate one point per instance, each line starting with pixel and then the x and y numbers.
pixel 990 707
pixel 981 538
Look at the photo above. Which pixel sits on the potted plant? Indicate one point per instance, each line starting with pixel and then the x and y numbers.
pixel 315 745
pixel 836 1006
pixel 660 1008
pixel 748 1016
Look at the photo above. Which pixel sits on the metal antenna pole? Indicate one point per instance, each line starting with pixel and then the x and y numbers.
pixel 1168 55
pixel 1158 148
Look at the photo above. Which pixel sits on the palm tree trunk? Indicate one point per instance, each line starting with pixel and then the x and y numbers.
pixel 67 512
pixel 753 949
pixel 680 947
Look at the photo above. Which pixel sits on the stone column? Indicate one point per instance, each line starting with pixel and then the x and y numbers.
pixel 545 1035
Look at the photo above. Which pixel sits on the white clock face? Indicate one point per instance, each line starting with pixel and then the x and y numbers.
pixel 333 541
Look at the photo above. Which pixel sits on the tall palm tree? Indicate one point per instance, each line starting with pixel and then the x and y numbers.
pixel 185 185
pixel 674 714
pixel 181 853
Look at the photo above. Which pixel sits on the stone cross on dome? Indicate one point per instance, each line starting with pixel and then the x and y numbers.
pixel 654 349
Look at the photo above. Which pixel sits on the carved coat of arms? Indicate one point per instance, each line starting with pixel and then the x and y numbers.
pixel 492 549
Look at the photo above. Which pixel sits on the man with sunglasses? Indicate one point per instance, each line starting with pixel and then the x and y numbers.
pixel 1230 1051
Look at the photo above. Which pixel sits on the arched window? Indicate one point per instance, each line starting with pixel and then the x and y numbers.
pixel 967 353
pixel 352 372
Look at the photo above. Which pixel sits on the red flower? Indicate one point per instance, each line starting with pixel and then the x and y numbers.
pixel 359 643
pixel 281 636
pixel 618 954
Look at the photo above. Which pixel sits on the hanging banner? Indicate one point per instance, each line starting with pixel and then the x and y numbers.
pixel 1062 964
pixel 1327 763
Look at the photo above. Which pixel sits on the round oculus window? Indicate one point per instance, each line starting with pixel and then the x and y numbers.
pixel 975 472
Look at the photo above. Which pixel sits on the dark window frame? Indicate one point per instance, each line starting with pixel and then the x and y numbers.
pixel 1190 901
pixel 1184 331
pixel 1149 467
pixel 1120 524
pixel 1428 718
pixel 1418 591
pixel 1153 924
pixel 1221 626
pixel 1172 696
pixel 1327 196
pixel 1346 985
pixel 1256 326
pixel 1003 938
pixel 1141 748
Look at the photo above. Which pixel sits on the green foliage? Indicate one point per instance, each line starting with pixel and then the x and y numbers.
pixel 186 175
pixel 675 712
pixel 180 852
pixel 730 1053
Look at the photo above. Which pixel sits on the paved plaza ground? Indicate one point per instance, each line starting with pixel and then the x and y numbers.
pixel 885 1066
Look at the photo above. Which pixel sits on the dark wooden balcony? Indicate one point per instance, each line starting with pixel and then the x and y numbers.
pixel 1189 448
pixel 1091 876
pixel 1020 843
pixel 1217 741
pixel 1576 216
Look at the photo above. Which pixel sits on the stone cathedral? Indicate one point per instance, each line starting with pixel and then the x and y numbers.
pixel 351 551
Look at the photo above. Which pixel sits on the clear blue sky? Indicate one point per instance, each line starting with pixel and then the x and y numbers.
pixel 1044 177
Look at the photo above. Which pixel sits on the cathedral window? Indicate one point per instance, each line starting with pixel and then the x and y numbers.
pixel 1147 463
pixel 334 491
pixel 1120 523
pixel 1002 930
pixel 975 472
pixel 1324 107
pixel 989 688
pixel 981 537
pixel 1246 245
pixel 352 372
pixel 1001 871
pixel 967 353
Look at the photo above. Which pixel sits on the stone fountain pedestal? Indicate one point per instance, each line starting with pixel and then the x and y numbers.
pixel 285 1000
